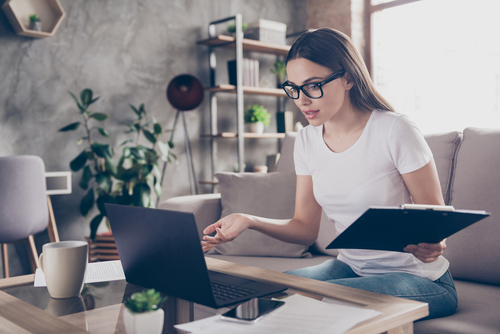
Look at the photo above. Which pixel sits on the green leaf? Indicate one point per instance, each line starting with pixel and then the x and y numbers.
pixel 141 195
pixel 103 151
pixel 86 177
pixel 157 187
pixel 135 109
pixel 170 144
pixel 70 127
pixel 142 110
pixel 87 202
pixel 97 98
pixel 102 200
pixel 86 97
pixel 104 181
pixel 126 152
pixel 82 109
pixel 137 153
pixel 110 166
pixel 149 136
pixel 156 170
pixel 164 150
pixel 103 132
pixel 158 129
pixel 124 199
pixel 94 225
pixel 98 116
pixel 128 174
pixel 131 127
pixel 126 142
pixel 78 163
pixel 145 170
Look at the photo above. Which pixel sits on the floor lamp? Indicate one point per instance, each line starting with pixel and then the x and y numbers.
pixel 185 92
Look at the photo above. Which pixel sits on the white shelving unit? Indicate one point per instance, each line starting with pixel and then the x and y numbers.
pixel 238 44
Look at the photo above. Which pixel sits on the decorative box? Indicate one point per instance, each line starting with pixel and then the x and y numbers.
pixel 267 31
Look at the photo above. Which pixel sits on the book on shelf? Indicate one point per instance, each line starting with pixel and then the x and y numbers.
pixel 284 121
pixel 250 72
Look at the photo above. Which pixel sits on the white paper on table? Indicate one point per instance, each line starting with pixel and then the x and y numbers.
pixel 299 315
pixel 96 272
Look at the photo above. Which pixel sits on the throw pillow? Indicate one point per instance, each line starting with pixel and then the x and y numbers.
pixel 266 195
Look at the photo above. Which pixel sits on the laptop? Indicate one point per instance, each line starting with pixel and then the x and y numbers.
pixel 161 249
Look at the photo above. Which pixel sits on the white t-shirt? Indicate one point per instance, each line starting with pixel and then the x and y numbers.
pixel 367 174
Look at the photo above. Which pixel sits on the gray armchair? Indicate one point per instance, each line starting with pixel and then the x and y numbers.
pixel 25 208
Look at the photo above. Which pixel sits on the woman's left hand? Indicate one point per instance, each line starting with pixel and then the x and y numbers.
pixel 427 253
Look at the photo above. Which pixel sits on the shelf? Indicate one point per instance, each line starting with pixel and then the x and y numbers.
pixel 211 182
pixel 247 90
pixel 248 45
pixel 50 13
pixel 264 135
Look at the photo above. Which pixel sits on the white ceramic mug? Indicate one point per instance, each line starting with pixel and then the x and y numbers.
pixel 63 265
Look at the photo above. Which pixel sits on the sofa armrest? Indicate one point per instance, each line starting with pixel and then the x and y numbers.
pixel 206 208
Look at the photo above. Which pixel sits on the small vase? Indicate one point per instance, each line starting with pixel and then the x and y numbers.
pixel 37 26
pixel 256 127
pixel 143 323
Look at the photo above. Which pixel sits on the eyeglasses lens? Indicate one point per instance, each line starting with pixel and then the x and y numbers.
pixel 313 91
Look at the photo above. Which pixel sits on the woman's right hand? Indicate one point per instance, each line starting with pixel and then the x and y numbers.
pixel 227 228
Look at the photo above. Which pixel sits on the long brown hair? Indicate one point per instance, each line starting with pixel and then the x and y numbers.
pixel 332 49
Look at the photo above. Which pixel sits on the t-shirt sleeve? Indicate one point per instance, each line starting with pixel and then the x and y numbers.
pixel 409 149
pixel 299 151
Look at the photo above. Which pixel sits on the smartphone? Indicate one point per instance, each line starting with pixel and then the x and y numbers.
pixel 252 310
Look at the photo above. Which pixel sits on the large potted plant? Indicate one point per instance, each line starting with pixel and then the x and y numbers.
pixel 136 176
pixel 257 117
pixel 143 313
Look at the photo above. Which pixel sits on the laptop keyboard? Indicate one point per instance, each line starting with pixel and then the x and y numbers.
pixel 229 292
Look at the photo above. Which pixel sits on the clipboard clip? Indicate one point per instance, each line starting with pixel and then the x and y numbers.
pixel 427 207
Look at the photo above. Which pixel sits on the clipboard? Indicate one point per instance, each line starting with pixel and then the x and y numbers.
pixel 393 228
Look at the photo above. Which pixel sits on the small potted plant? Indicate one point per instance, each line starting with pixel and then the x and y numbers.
pixel 143 313
pixel 231 29
pixel 257 117
pixel 35 23
pixel 279 69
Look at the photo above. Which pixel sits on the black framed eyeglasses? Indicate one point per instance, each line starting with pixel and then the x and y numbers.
pixel 313 90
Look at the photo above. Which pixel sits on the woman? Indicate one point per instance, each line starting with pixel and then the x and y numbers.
pixel 357 152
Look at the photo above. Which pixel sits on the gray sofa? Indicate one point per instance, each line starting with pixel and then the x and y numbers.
pixel 468 166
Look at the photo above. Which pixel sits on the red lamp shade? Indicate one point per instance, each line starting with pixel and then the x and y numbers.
pixel 185 92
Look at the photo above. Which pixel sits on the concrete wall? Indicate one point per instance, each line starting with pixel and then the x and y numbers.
pixel 126 51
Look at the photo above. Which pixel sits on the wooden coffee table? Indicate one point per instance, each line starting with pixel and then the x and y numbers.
pixel 18 316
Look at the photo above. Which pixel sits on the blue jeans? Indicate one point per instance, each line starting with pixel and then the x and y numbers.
pixel 439 294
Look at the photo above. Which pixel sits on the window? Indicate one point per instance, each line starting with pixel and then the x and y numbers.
pixel 438 61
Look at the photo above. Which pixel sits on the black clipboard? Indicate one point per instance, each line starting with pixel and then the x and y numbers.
pixel 393 228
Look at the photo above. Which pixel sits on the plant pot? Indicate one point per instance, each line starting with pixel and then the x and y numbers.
pixel 256 127
pixel 143 323
pixel 37 26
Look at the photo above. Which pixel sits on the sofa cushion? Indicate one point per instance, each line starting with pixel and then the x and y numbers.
pixel 477 312
pixel 444 147
pixel 266 195
pixel 285 162
pixel 473 252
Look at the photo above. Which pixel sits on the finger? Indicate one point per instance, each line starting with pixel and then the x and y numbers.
pixel 426 252
pixel 212 240
pixel 433 247
pixel 210 229
pixel 223 237
pixel 421 252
